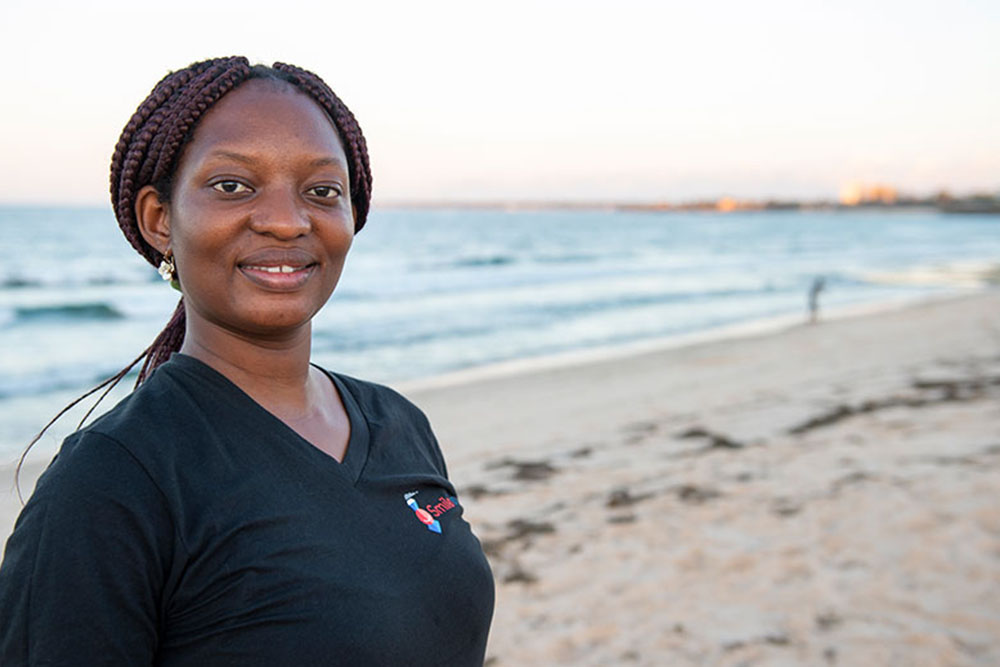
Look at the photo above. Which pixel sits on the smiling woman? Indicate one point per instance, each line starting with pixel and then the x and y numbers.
pixel 243 506
pixel 259 220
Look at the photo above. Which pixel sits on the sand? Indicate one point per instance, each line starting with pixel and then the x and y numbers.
pixel 823 494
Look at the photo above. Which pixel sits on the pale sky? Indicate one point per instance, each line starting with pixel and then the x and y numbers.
pixel 568 100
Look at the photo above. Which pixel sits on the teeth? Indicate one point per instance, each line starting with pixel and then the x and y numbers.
pixel 284 268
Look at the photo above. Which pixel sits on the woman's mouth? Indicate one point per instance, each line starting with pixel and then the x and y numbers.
pixel 278 269
pixel 278 277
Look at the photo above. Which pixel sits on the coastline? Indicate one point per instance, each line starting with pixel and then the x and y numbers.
pixel 595 354
pixel 796 493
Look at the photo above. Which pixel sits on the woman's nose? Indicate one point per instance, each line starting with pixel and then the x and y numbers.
pixel 280 213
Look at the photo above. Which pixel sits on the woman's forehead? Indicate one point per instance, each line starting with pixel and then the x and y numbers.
pixel 266 114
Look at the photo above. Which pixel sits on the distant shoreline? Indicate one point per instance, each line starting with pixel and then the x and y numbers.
pixel 952 206
pixel 963 206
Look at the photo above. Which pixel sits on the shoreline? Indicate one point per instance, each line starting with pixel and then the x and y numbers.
pixel 763 326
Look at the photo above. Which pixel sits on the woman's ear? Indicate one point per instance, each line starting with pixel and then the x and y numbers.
pixel 153 219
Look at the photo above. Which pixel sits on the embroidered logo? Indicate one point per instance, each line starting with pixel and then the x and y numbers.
pixel 429 515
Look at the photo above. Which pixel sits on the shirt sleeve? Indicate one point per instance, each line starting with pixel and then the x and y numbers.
pixel 83 572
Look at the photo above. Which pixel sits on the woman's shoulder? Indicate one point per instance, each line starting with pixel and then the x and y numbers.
pixel 159 405
pixel 391 419
pixel 377 400
pixel 165 420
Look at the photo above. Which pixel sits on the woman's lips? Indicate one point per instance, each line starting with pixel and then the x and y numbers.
pixel 278 278
pixel 278 269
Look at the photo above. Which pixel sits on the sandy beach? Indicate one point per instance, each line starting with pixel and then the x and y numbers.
pixel 824 494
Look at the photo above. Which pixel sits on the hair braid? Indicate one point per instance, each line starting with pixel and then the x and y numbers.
pixel 198 97
pixel 168 341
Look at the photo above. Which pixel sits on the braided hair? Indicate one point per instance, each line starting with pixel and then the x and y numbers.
pixel 148 153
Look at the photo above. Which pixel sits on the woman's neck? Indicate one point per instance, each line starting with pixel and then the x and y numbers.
pixel 274 372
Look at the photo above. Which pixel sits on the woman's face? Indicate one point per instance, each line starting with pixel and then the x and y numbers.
pixel 260 217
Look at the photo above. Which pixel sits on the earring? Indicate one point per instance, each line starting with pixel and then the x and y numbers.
pixel 167 269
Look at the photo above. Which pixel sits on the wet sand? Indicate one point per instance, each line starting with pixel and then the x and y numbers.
pixel 825 494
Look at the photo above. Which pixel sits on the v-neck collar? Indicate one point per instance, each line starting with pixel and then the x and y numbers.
pixel 356 455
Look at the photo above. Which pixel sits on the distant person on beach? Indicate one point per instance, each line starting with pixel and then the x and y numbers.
pixel 818 284
pixel 243 506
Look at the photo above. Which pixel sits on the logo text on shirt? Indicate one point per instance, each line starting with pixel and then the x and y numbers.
pixel 428 515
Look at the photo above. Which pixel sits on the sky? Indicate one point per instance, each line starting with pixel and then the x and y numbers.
pixel 543 100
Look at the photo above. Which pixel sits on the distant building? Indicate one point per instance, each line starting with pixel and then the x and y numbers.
pixel 726 204
pixel 729 204
pixel 859 194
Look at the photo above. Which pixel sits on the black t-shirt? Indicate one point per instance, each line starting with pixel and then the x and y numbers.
pixel 189 526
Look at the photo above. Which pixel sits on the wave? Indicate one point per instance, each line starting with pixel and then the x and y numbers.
pixel 625 301
pixel 68 311
pixel 519 316
pixel 501 259
pixel 568 259
pixel 967 274
pixel 487 260
pixel 337 341
pixel 18 282
pixel 79 379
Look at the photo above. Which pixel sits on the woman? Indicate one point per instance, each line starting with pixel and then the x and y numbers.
pixel 243 506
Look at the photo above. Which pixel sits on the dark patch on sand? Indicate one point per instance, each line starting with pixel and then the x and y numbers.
pixel 828 620
pixel 689 493
pixel 525 471
pixel 962 389
pixel 518 575
pixel 776 639
pixel 953 460
pixel 622 497
pixel 518 530
pixel 477 491
pixel 974 459
pixel 715 440
pixel 975 649
pixel 622 518
pixel 521 528
pixel 785 507
pixel 849 479
pixel 928 392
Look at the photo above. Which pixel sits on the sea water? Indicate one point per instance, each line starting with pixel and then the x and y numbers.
pixel 427 291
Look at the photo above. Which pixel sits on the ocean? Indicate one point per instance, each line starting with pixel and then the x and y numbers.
pixel 429 291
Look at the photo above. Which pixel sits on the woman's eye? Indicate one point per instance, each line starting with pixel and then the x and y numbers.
pixel 324 191
pixel 231 187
